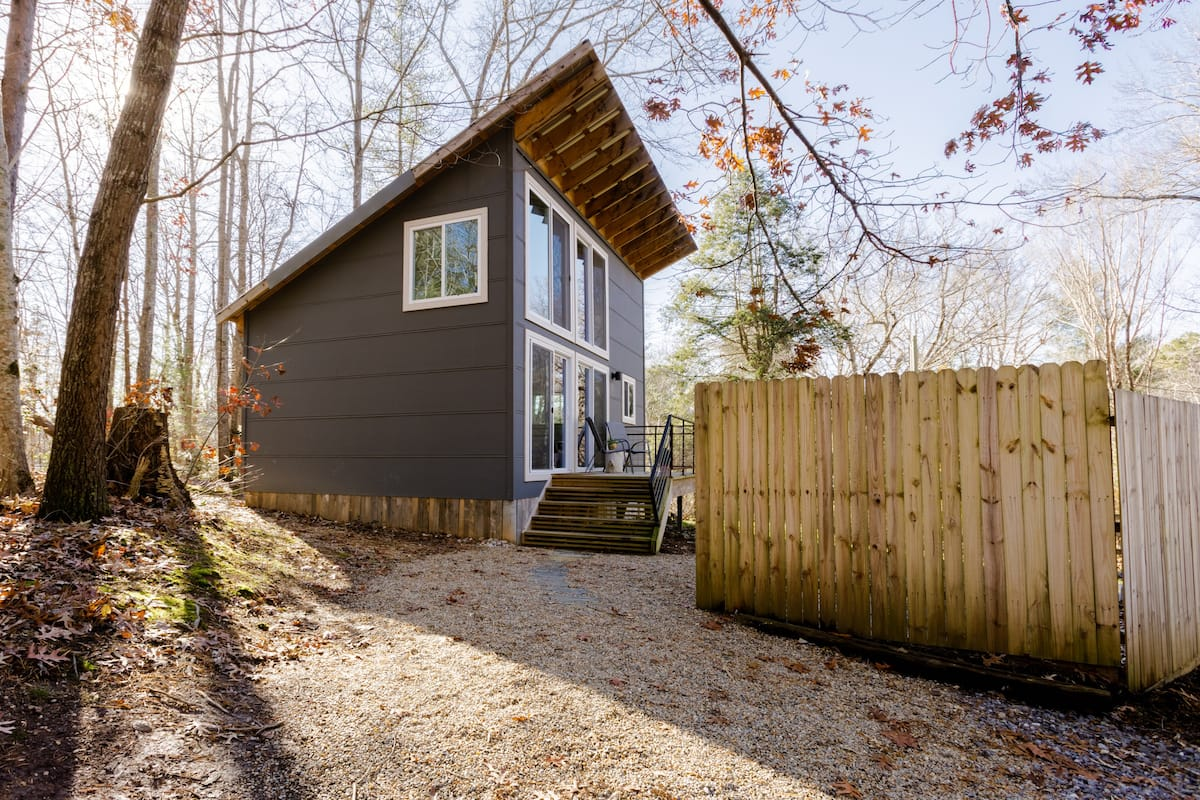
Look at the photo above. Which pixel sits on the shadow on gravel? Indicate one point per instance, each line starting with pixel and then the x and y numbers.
pixel 554 611
pixel 245 722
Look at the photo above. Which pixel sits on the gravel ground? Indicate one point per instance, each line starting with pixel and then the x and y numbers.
pixel 491 671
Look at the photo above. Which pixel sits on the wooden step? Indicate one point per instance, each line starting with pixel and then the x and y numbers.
pixel 634 509
pixel 591 524
pixel 575 541
pixel 595 511
pixel 586 495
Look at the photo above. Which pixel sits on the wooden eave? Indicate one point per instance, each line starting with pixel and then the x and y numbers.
pixel 582 138
pixel 569 121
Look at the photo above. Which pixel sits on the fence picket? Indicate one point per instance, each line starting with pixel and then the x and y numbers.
pixel 1009 459
pixel 810 503
pixel 745 499
pixel 1078 513
pixel 954 592
pixel 705 420
pixel 914 545
pixel 715 405
pixel 790 497
pixel 895 618
pixel 732 534
pixel 843 539
pixel 1100 492
pixel 992 512
pixel 1062 626
pixel 823 411
pixel 760 487
pixel 1037 605
pixel 877 509
pixel 974 616
pixel 860 575
pixel 931 506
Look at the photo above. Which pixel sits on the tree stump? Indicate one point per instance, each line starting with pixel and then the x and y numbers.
pixel 139 458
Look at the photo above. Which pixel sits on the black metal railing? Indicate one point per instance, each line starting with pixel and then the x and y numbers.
pixel 683 444
pixel 660 473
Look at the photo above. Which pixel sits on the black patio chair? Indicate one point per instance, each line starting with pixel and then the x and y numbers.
pixel 630 449
pixel 601 444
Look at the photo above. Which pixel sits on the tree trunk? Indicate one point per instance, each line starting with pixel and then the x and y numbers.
pixel 139 458
pixel 189 331
pixel 14 88
pixel 14 466
pixel 149 282
pixel 75 486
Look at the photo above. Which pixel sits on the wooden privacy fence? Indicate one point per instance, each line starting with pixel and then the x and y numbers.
pixel 1158 456
pixel 969 509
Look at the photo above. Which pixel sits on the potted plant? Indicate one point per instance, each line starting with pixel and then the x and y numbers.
pixel 614 459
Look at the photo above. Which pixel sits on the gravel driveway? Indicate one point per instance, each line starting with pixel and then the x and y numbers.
pixel 408 666
pixel 496 671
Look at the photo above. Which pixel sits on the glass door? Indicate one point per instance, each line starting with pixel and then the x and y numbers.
pixel 548 434
pixel 591 390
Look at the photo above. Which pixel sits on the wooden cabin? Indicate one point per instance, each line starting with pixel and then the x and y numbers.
pixel 444 342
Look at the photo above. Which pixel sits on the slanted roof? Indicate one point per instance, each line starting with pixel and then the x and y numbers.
pixel 570 122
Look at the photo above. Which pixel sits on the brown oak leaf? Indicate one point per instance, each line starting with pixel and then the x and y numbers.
pixel 845 789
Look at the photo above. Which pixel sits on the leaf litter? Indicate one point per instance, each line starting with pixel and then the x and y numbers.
pixel 239 654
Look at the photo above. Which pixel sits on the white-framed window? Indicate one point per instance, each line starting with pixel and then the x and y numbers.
pixel 566 271
pixel 445 260
pixel 591 295
pixel 628 399
pixel 562 389
pixel 547 262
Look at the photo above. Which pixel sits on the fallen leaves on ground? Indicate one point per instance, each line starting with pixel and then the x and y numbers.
pixel 1022 746
pixel 845 789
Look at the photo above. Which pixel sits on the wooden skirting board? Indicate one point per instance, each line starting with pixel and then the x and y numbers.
pixel 463 518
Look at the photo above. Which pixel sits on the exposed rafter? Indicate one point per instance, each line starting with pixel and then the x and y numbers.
pixel 581 136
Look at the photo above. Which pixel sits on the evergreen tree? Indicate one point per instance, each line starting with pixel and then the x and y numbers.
pixel 751 307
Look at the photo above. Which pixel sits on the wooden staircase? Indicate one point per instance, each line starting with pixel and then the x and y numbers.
pixel 595 511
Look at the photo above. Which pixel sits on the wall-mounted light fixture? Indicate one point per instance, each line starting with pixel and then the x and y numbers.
pixel 616 376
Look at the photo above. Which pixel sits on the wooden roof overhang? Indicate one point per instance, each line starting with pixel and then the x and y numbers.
pixel 568 121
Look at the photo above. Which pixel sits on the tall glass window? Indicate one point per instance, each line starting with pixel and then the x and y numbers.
pixel 560 267
pixel 567 273
pixel 591 296
pixel 537 256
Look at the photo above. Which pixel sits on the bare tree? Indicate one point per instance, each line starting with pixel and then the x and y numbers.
pixel 149 278
pixel 75 486
pixel 976 309
pixel 508 41
pixel 1115 274
pixel 14 462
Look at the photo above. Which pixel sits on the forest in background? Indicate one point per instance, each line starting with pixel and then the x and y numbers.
pixel 282 117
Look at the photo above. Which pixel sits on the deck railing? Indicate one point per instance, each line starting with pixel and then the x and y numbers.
pixel 660 473
pixel 682 442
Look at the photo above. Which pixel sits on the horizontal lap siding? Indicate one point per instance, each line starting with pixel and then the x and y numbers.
pixel 378 401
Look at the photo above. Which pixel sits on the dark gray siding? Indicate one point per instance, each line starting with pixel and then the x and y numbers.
pixel 377 401
pixel 626 327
